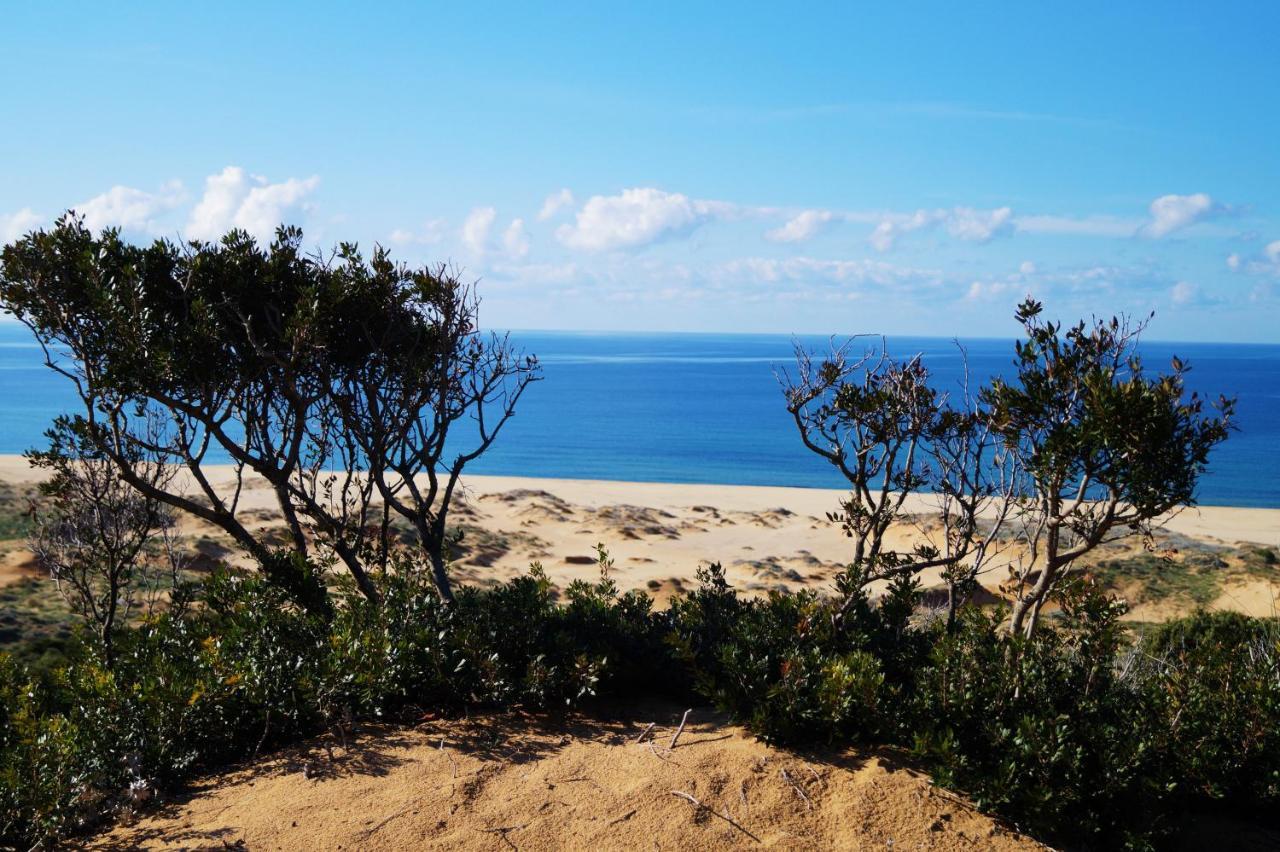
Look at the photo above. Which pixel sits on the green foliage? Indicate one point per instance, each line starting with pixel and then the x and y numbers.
pixel 262 662
pixel 798 667
pixel 1216 680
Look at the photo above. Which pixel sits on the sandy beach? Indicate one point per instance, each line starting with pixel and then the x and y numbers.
pixel 658 534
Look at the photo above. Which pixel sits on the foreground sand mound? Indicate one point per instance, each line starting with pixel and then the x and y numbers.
pixel 525 782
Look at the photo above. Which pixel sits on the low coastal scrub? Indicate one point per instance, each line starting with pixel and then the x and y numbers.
pixel 340 380
pixel 1078 734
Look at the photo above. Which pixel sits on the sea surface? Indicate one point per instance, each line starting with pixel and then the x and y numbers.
pixel 708 408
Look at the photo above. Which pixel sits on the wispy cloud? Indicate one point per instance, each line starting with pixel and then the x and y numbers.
pixel 554 203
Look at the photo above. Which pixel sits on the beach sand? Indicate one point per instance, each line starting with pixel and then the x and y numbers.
pixel 659 534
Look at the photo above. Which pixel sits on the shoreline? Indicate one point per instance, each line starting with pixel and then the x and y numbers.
pixel 1224 523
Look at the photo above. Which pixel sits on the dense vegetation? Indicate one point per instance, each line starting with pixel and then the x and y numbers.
pixel 342 384
pixel 1077 734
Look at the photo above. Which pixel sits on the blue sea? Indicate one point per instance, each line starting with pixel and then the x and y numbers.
pixel 708 408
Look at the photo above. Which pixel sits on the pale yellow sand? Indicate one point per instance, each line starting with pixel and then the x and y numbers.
pixel 658 534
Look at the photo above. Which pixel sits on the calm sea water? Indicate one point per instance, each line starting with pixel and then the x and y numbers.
pixel 707 408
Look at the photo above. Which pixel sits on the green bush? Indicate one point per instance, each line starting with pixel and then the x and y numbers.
pixel 1078 734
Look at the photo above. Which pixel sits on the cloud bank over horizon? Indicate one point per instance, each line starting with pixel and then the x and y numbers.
pixel 658 251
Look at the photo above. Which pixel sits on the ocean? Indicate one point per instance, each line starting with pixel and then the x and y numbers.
pixel 707 408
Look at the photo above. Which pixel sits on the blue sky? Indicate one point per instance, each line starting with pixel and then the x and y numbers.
pixel 897 168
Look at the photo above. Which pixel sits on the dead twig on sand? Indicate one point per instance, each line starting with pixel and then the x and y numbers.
pixel 733 822
pixel 679 730
pixel 504 830
pixel 645 733
pixel 369 832
pixel 808 803
pixel 628 815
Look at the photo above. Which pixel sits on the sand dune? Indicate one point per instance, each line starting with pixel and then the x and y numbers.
pixel 517 781
pixel 658 534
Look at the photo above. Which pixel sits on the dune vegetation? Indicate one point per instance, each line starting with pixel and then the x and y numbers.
pixel 358 390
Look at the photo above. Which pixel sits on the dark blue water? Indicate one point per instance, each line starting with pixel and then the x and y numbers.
pixel 707 408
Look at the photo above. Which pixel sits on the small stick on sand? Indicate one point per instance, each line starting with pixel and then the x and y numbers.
pixel 808 803
pixel 502 832
pixel 655 753
pixel 733 822
pixel 679 730
pixel 645 732
pixel 628 815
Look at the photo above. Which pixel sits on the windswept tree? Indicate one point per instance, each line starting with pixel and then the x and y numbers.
pixel 419 392
pixel 1103 448
pixel 234 353
pixel 892 436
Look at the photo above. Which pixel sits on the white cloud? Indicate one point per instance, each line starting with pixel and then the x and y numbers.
pixel 233 199
pixel 1027 267
pixel 1184 292
pixel 978 226
pixel 800 227
pixel 890 228
pixel 1170 213
pixel 554 203
pixel 760 270
pixel 514 240
pixel 15 225
pixel 267 204
pixel 475 230
pixel 1266 264
pixel 636 217
pixel 964 223
pixel 126 207
pixel 432 232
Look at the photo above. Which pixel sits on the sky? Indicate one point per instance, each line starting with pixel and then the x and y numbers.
pixel 904 168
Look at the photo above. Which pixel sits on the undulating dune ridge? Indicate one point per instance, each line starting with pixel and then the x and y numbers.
pixel 766 538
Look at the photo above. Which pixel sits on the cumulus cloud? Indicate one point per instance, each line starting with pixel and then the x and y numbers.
pixel 554 203
pixel 800 227
pixel 1171 213
pixel 1265 263
pixel 15 225
pixel 636 217
pixel 126 207
pixel 514 240
pixel 964 223
pixel 475 230
pixel 234 199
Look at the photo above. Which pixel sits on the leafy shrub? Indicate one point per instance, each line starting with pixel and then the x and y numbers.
pixel 1076 733
pixel 1040 729
pixel 799 667
pixel 1215 678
